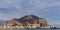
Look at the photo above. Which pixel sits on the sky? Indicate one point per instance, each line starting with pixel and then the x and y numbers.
pixel 48 9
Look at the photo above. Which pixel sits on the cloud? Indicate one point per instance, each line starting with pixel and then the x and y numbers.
pixel 4 16
pixel 54 4
pixel 18 8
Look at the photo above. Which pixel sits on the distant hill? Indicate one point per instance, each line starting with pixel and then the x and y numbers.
pixel 25 20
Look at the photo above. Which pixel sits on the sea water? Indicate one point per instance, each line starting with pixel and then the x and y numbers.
pixel 29 29
pixel 41 29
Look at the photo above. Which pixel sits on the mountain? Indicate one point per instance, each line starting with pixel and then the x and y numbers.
pixel 25 20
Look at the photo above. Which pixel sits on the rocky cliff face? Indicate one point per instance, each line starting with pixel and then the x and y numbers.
pixel 29 19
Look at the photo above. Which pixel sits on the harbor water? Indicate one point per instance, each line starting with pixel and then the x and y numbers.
pixel 29 29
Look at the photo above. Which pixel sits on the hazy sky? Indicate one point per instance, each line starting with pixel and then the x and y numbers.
pixel 48 9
